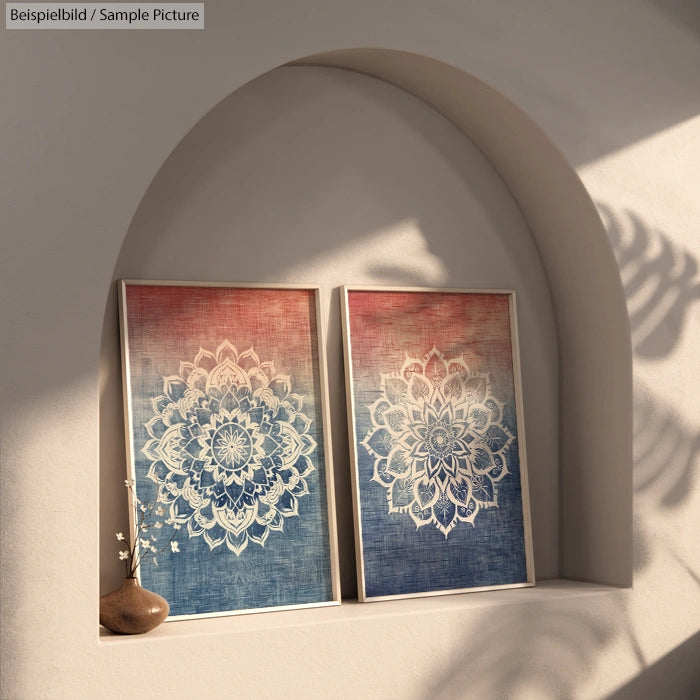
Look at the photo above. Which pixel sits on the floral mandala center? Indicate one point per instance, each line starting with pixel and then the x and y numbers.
pixel 229 447
pixel 438 441
pixel 232 446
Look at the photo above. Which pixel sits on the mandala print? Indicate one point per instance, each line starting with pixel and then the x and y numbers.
pixel 230 448
pixel 438 442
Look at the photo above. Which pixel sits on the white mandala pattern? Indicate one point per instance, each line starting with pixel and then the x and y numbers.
pixel 229 448
pixel 438 442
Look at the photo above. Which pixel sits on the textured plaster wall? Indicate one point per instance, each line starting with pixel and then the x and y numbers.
pixel 89 117
pixel 647 196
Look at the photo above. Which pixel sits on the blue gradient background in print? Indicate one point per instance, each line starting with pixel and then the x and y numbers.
pixel 168 325
pixel 398 557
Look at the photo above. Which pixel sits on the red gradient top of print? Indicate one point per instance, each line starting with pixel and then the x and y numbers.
pixel 168 324
pixel 385 327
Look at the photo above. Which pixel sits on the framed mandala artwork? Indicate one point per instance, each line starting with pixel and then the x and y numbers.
pixel 227 439
pixel 437 441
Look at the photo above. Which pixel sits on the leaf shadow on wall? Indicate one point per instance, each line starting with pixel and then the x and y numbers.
pixel 661 282
pixel 684 12
pixel 666 451
pixel 562 646
pixel 654 682
pixel 661 285
pixel 667 460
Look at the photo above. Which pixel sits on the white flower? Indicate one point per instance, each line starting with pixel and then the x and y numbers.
pixel 120 536
pixel 174 546
pixel 160 511
pixel 145 543
pixel 124 555
pixel 176 526
pixel 158 525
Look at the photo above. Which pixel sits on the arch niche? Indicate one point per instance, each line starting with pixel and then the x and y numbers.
pixel 593 514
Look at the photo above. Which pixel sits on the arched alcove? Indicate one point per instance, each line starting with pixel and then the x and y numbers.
pixel 595 356
pixel 314 175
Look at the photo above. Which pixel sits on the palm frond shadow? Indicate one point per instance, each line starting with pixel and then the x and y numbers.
pixel 666 451
pixel 562 644
pixel 661 282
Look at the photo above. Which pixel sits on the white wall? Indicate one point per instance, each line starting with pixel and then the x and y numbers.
pixel 89 117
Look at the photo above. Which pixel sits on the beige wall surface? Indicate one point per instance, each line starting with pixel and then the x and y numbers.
pixel 89 118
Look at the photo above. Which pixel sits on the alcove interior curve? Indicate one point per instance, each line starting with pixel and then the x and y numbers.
pixel 315 175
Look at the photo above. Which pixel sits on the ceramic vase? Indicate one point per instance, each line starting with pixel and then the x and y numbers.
pixel 131 609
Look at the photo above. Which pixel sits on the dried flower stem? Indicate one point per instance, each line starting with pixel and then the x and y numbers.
pixel 142 545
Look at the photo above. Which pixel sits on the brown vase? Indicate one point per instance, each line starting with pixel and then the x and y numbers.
pixel 131 609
